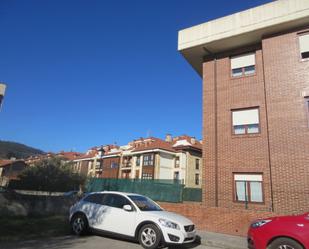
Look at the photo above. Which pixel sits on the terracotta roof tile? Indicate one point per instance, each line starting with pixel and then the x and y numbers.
pixel 151 144
pixel 5 162
pixel 178 142
pixel 69 155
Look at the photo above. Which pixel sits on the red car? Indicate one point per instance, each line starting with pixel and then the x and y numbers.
pixel 285 232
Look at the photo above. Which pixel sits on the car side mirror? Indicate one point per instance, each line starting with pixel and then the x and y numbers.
pixel 128 208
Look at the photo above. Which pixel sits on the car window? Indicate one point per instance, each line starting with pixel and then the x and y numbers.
pixel 144 203
pixel 95 198
pixel 116 201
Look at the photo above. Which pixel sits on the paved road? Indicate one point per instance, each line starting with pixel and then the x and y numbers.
pixel 88 242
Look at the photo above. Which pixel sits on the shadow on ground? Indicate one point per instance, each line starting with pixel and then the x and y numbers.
pixel 196 243
pixel 54 243
pixel 73 242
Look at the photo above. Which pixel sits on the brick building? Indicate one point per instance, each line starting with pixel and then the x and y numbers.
pixel 175 158
pixel 255 70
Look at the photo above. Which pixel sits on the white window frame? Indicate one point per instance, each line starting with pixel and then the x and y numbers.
pixel 247 179
pixel 246 122
pixel 242 63
pixel 303 40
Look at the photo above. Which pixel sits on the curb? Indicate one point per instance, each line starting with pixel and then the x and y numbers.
pixel 222 240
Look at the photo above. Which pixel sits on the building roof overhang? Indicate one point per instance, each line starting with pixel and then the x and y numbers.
pixel 241 29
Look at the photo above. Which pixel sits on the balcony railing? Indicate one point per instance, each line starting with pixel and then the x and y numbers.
pixel 126 165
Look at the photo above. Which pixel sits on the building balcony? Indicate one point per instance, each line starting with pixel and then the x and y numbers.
pixel 126 165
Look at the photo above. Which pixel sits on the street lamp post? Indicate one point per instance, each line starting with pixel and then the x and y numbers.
pixel 101 152
pixel 2 92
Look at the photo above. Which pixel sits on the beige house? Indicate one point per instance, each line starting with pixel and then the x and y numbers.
pixel 176 159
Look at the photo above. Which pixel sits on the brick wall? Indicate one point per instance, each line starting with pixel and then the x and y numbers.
pixel 222 220
pixel 107 171
pixel 280 150
pixel 287 77
pixel 235 153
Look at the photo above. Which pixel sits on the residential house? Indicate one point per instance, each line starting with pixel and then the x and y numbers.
pixel 10 170
pixel 255 71
pixel 176 159
pixel 87 164
pixel 111 161
pixel 32 160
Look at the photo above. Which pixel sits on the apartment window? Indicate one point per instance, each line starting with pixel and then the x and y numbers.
pixel 147 176
pixel 243 65
pixel 176 175
pixel 177 162
pixel 114 165
pixel 98 165
pixel 138 161
pixel 197 179
pixel 304 46
pixel 246 121
pixel 197 163
pixel 248 187
pixel 148 160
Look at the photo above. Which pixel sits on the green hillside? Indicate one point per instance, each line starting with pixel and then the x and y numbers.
pixel 11 149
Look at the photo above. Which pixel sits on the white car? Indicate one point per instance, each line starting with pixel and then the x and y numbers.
pixel 130 215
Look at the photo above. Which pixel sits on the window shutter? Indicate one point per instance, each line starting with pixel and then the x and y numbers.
pixel 304 43
pixel 243 60
pixel 246 117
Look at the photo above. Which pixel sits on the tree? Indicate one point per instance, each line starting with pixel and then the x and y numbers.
pixel 52 175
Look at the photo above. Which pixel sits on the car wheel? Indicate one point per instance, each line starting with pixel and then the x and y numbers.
pixel 150 236
pixel 79 224
pixel 284 243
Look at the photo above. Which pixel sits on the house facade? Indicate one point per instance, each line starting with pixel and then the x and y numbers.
pixel 176 159
pixel 255 71
pixel 10 170
pixel 88 164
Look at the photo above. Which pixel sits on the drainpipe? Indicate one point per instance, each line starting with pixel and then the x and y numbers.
pixel 216 126
pixel 268 143
pixel 216 135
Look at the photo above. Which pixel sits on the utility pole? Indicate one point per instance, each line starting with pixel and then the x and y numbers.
pixel 2 92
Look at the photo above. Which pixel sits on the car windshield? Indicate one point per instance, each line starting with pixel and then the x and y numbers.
pixel 144 203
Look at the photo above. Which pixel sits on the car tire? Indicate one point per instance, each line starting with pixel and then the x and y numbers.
pixel 150 236
pixel 79 224
pixel 284 243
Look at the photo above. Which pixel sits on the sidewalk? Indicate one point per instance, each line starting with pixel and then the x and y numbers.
pixel 222 240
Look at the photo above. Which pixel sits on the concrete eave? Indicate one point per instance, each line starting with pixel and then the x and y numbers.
pixel 241 29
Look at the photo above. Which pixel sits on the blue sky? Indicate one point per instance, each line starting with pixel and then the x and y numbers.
pixel 83 73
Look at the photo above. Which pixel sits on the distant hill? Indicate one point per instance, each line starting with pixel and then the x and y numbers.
pixel 11 149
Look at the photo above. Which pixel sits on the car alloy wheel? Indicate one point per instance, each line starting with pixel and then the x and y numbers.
pixel 150 236
pixel 285 247
pixel 284 243
pixel 79 224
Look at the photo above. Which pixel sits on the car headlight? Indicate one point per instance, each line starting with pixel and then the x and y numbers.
pixel 259 223
pixel 169 224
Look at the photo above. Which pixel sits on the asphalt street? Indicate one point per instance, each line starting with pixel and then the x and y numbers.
pixel 91 242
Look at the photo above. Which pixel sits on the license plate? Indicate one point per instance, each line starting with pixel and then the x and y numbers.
pixel 190 234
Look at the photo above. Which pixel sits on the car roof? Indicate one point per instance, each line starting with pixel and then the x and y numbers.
pixel 115 192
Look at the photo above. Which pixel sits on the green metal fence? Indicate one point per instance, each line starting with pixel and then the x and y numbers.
pixel 159 190
pixel 192 194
